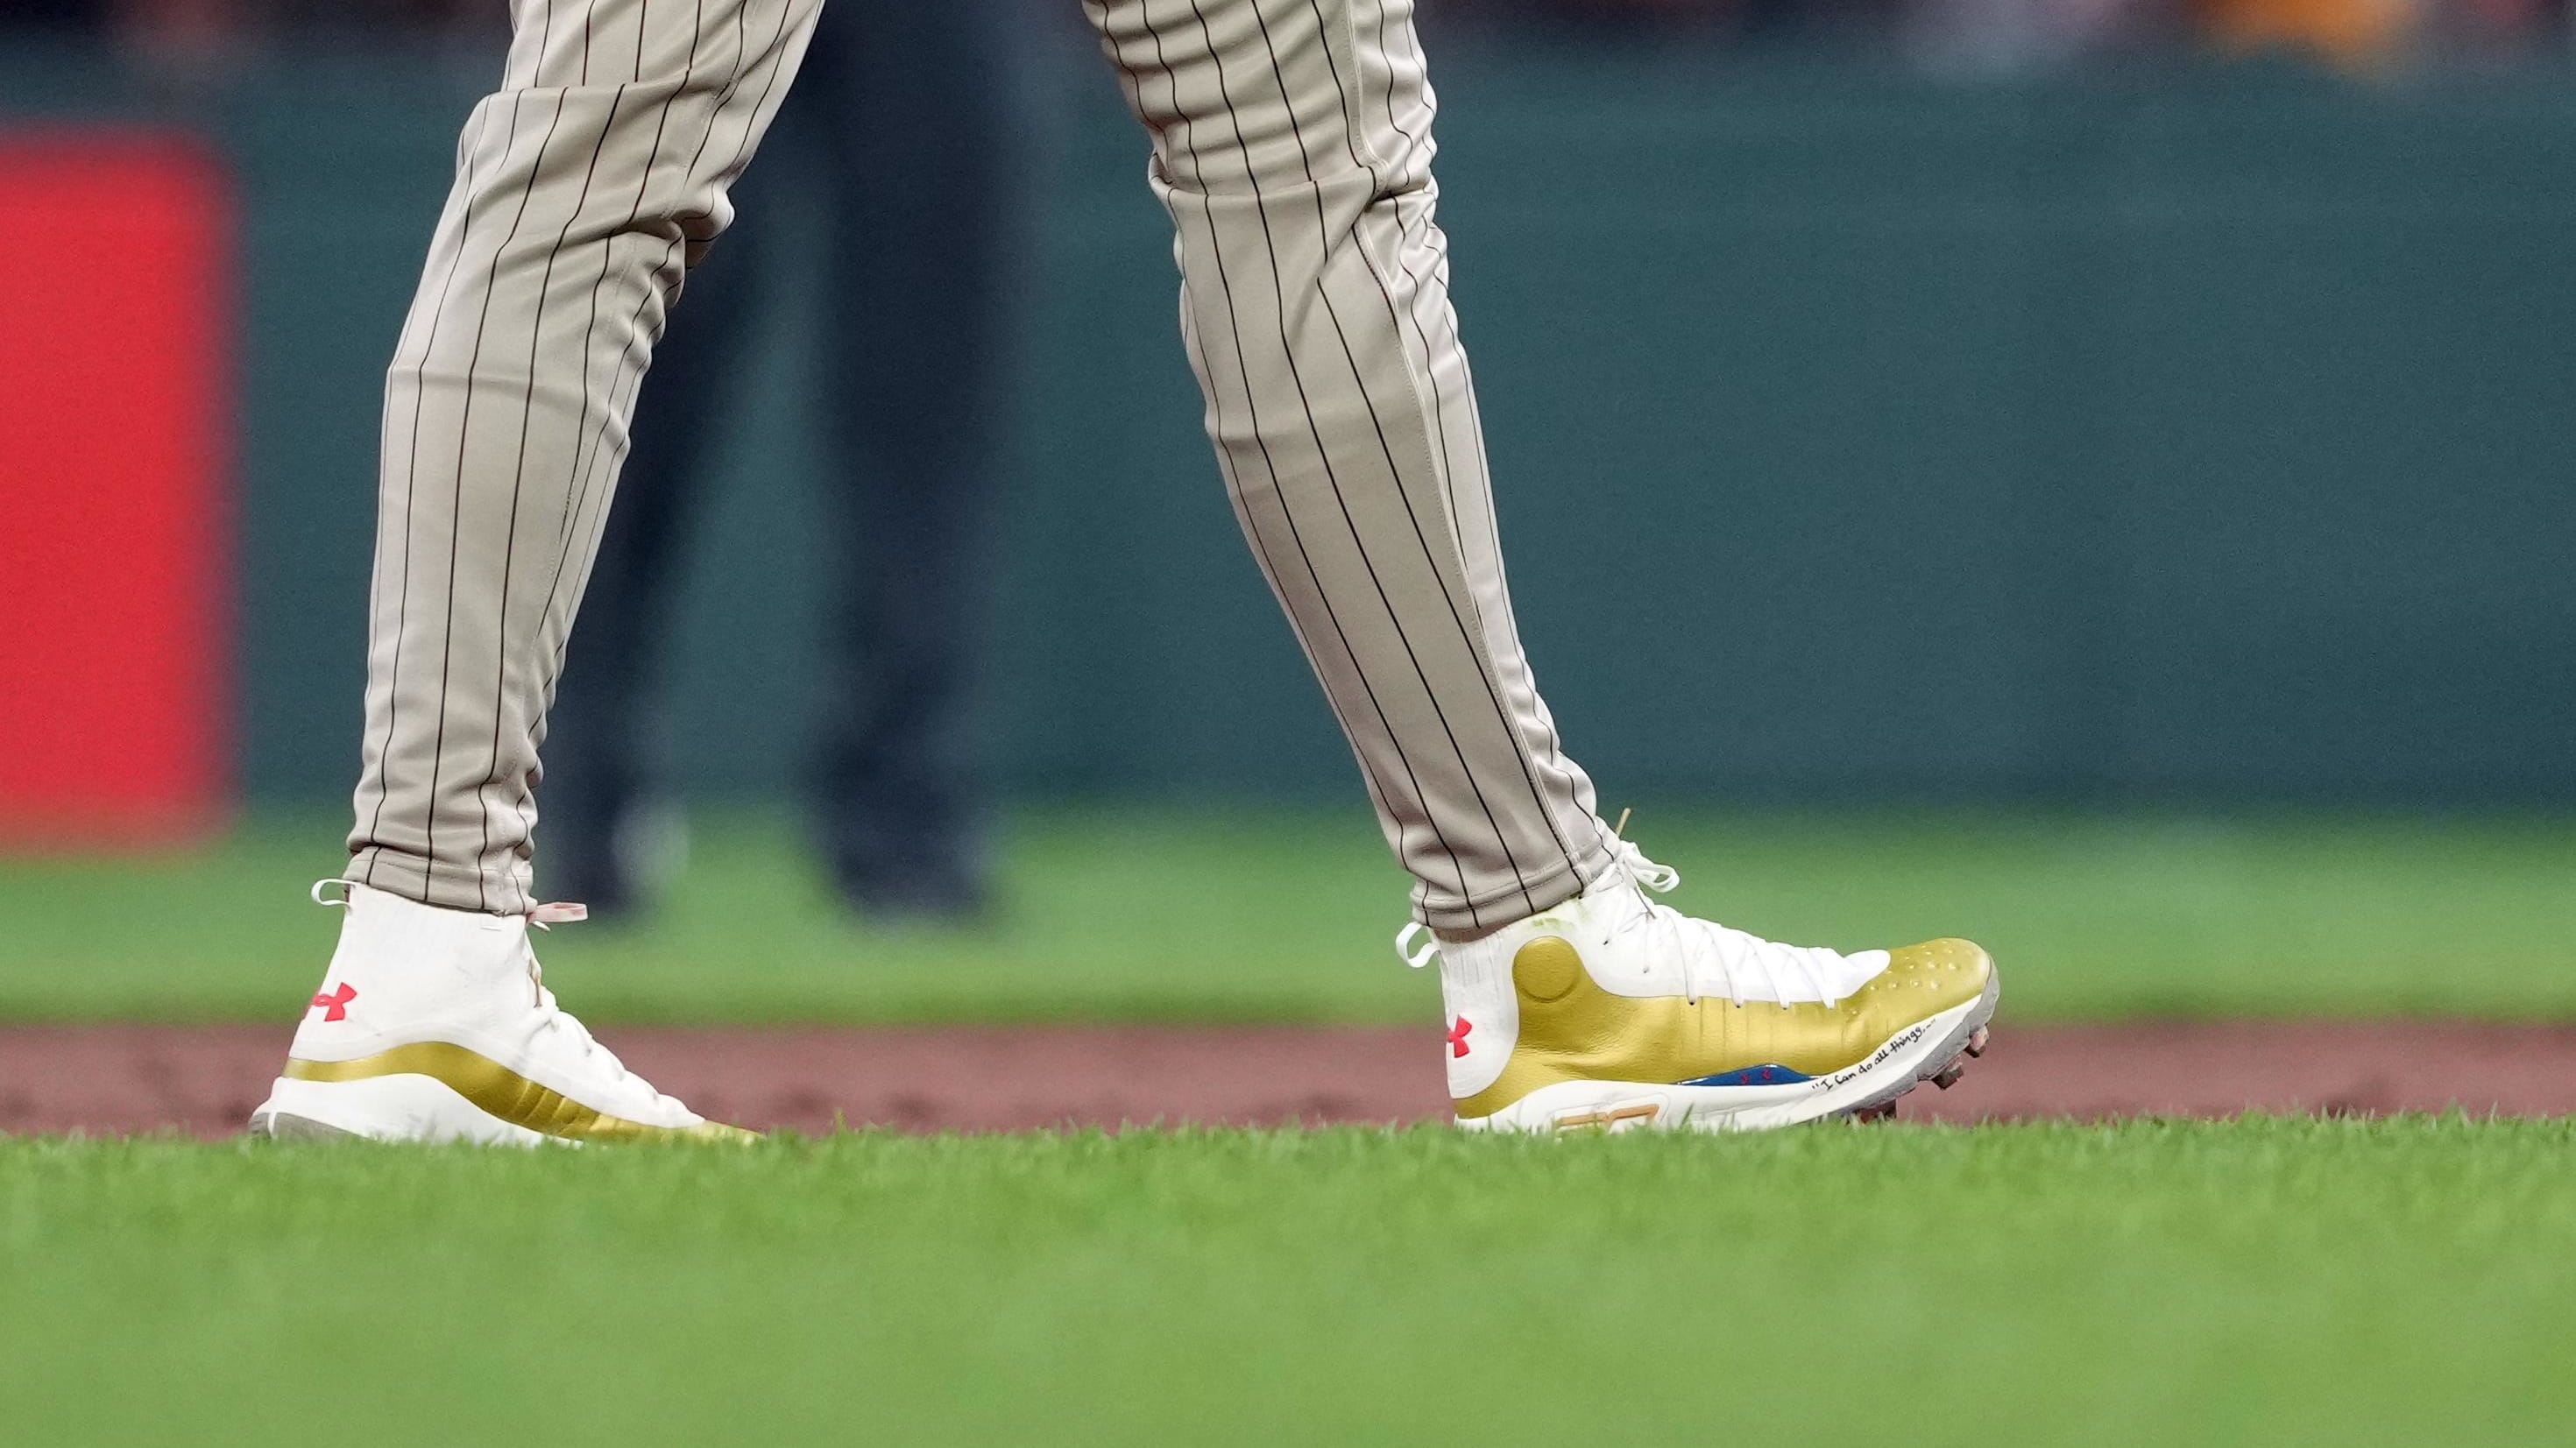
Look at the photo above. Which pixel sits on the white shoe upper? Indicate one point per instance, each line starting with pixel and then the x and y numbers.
pixel 1631 945
pixel 407 973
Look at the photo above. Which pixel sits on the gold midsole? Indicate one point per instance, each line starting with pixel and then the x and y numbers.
pixel 498 1091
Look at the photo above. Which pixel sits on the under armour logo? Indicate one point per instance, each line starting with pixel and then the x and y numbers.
pixel 337 1003
pixel 1458 1036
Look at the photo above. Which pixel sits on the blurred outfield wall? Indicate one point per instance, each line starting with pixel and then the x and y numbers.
pixel 2197 433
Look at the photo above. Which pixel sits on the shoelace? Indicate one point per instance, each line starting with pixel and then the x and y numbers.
pixel 551 1016
pixel 1702 947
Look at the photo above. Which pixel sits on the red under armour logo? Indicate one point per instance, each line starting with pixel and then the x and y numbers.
pixel 343 993
pixel 1458 1036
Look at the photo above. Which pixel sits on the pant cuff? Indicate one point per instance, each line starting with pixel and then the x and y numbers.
pixel 436 882
pixel 1515 902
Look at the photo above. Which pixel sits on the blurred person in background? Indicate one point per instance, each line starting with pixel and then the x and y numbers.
pixel 2354 34
pixel 186 35
pixel 2040 34
pixel 911 130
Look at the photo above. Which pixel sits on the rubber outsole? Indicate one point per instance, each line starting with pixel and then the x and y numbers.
pixel 401 1107
pixel 1967 1041
pixel 281 1126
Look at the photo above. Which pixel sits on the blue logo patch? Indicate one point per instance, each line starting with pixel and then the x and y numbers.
pixel 1752 1076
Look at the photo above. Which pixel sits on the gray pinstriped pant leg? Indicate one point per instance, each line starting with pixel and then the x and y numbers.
pixel 583 188
pixel 1291 146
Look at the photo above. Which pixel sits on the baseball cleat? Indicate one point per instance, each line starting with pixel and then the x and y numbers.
pixel 435 1025
pixel 1616 1012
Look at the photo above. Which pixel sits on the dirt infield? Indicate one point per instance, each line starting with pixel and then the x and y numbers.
pixel 204 1080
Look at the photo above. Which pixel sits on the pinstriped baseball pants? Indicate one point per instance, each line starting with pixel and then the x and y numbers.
pixel 1291 147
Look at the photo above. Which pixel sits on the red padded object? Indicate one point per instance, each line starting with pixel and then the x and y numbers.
pixel 115 623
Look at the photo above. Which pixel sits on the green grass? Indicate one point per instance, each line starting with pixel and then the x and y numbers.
pixel 1244 914
pixel 2258 1281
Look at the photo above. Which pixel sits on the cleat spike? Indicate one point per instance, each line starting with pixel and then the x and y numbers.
pixel 1977 1041
pixel 1948 1076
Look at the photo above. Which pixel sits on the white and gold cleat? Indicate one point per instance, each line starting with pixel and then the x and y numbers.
pixel 435 1025
pixel 1614 1011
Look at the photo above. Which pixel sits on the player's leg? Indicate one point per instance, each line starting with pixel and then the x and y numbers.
pixel 1292 147
pixel 583 190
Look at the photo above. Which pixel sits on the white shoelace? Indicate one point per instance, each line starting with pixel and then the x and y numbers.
pixel 1704 948
pixel 551 1016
